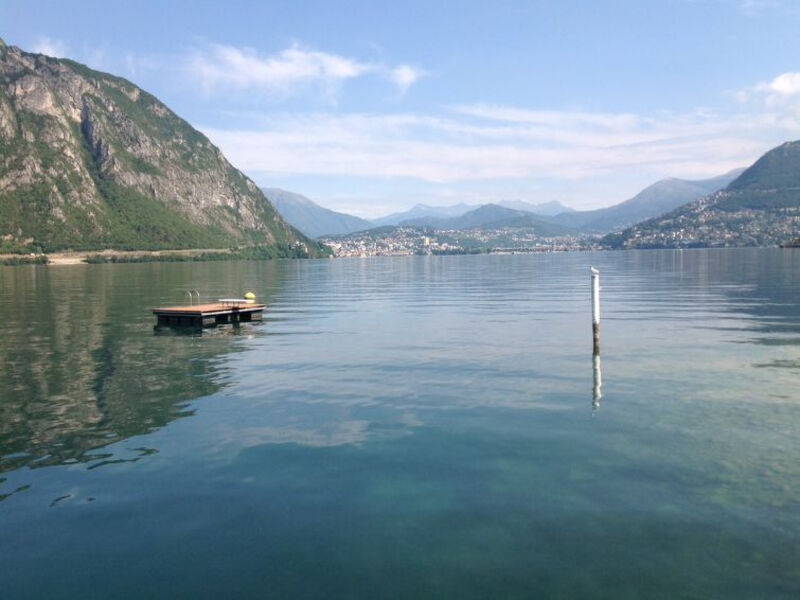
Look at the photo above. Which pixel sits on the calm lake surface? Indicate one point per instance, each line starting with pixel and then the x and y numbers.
pixel 421 427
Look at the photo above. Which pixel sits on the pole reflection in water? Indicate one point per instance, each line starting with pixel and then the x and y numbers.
pixel 597 392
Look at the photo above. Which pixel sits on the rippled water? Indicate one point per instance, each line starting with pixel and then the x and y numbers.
pixel 405 427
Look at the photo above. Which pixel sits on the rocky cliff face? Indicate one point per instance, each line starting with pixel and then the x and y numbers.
pixel 89 161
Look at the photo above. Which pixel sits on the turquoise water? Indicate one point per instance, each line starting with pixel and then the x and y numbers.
pixel 421 427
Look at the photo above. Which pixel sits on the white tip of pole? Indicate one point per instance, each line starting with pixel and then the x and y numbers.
pixel 594 271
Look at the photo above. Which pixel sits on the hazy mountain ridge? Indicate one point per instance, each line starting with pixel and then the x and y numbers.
pixel 89 161
pixel 491 216
pixel 310 218
pixel 657 199
pixel 760 207
pixel 420 212
pixel 552 208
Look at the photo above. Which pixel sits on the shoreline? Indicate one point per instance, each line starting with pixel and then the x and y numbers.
pixel 140 256
pixel 114 256
pixel 214 254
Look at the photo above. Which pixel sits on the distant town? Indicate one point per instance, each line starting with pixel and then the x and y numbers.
pixel 406 241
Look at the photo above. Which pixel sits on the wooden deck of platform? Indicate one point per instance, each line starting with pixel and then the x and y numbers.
pixel 208 315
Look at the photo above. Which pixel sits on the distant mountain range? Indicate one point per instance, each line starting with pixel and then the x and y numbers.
pixel 90 161
pixel 310 218
pixel 316 221
pixel 657 199
pixel 421 211
pixel 491 216
pixel 550 218
pixel 424 211
pixel 745 207
pixel 760 207
pixel 551 208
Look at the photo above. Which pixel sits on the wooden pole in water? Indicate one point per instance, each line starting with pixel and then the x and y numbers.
pixel 596 309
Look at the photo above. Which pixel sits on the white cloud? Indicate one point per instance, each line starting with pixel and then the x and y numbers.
pixel 780 95
pixel 784 89
pixel 220 68
pixel 587 158
pixel 787 84
pixel 404 76
pixel 449 149
pixel 50 47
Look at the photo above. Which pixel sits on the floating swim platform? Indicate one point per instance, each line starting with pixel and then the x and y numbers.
pixel 225 310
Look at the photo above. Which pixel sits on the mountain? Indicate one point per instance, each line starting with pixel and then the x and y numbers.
pixel 549 209
pixel 424 211
pixel 760 207
pixel 420 211
pixel 90 161
pixel 477 217
pixel 656 199
pixel 491 216
pixel 311 218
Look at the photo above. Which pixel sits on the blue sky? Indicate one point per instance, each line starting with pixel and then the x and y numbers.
pixel 371 107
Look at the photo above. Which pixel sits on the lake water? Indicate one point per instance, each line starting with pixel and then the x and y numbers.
pixel 420 427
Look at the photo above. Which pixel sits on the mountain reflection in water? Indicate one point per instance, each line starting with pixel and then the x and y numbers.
pixel 79 371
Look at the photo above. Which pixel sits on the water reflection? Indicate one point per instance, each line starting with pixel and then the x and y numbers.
pixel 438 403
pixel 230 330
pixel 597 392
pixel 84 370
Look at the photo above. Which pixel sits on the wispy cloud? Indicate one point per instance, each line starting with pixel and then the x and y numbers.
pixel 551 118
pixel 483 146
pixel 136 64
pixel 404 76
pixel 480 143
pixel 95 56
pixel 50 47
pixel 220 68
pixel 753 8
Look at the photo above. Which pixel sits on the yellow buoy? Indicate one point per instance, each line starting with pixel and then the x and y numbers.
pixel 250 297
